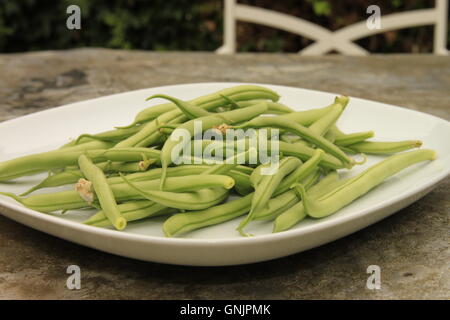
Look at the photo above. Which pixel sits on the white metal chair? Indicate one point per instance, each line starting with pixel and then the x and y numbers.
pixel 340 40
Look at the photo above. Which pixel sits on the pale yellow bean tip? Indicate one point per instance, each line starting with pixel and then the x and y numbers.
pixel 229 184
pixel 120 223
pixel 435 155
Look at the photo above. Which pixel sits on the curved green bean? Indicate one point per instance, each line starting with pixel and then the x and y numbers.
pixel 131 211
pixel 265 186
pixel 68 200
pixel 194 200
pixel 208 122
pixel 185 222
pixel 242 92
pixel 345 139
pixel 295 150
pixel 362 183
pixel 376 147
pixel 307 117
pixel 322 125
pixel 111 135
pixel 189 110
pixel 102 191
pixel 302 131
pixel 45 161
pixel 296 213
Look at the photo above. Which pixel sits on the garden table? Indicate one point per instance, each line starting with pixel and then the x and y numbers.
pixel 411 247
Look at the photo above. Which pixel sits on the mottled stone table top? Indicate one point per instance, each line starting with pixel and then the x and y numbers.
pixel 411 247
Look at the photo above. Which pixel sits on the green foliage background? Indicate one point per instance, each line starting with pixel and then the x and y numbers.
pixel 27 25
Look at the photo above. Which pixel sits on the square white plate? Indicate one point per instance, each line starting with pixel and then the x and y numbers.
pixel 221 244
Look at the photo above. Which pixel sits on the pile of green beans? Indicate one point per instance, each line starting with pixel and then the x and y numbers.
pixel 136 172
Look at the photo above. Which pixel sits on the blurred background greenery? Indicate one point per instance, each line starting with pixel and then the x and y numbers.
pixel 27 25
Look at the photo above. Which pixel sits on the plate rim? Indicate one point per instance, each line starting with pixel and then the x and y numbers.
pixel 161 240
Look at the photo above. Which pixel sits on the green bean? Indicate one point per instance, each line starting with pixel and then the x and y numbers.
pixel 322 125
pixel 208 122
pixel 289 138
pixel 167 131
pixel 195 200
pixel 73 143
pixel 312 178
pixel 299 151
pixel 276 205
pixel 242 180
pixel 68 200
pixel 362 183
pixel 111 135
pixel 288 195
pixel 242 92
pixel 176 184
pixel 229 163
pixel 36 163
pixel 265 186
pixel 142 209
pixel 142 165
pixel 185 222
pixel 102 191
pixel 45 161
pixel 56 180
pixel 59 159
pixel 125 154
pixel 272 107
pixel 73 175
pixel 376 147
pixel 344 139
pixel 91 145
pixel 302 131
pixel 331 136
pixel 181 170
pixel 301 172
pixel 285 200
pixel 307 117
pixel 189 110
pixel 151 133
pixel 296 213
pixel 131 211
pixel 86 144
pixel 342 100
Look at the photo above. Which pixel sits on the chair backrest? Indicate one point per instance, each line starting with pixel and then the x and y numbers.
pixel 340 40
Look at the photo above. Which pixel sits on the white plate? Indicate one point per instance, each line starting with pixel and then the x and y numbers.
pixel 221 245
